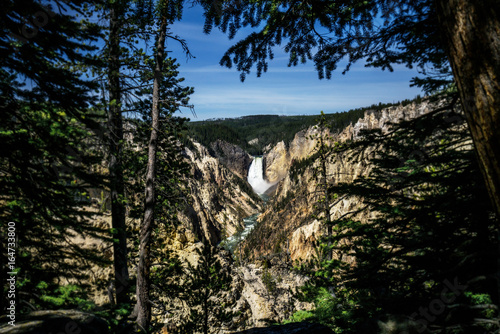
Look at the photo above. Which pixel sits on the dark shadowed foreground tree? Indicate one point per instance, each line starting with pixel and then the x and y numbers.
pixel 167 97
pixel 428 255
pixel 471 33
pixel 202 291
pixel 427 34
pixel 132 25
pixel 46 127
pixel 116 54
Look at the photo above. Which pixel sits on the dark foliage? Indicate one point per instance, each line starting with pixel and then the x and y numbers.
pixel 431 227
pixel 383 33
pixel 50 138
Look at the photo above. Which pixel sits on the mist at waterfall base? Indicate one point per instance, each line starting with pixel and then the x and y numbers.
pixel 259 185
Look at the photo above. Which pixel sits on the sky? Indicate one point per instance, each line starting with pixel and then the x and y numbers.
pixel 282 90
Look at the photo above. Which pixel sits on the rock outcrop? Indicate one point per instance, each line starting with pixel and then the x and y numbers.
pixel 276 163
pixel 278 159
pixel 269 292
pixel 232 156
pixel 258 296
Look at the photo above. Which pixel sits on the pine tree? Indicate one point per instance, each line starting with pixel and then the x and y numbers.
pixel 131 26
pixel 205 281
pixel 173 96
pixel 323 154
pixel 48 131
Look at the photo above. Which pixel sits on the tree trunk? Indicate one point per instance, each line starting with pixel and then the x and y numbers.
pixel 147 226
pixel 117 189
pixel 471 31
pixel 205 311
pixel 326 204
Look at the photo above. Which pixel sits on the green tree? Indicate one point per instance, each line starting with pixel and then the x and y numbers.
pixel 118 15
pixel 173 96
pixel 48 131
pixel 204 283
pixel 322 153
pixel 127 81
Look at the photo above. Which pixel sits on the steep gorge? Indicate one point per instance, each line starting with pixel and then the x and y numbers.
pixel 286 230
pixel 219 198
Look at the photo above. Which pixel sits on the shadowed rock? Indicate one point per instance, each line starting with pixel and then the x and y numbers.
pixel 50 322
pixel 294 328
pixel 232 156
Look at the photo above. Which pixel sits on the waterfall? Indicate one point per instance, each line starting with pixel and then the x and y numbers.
pixel 256 176
pixel 259 185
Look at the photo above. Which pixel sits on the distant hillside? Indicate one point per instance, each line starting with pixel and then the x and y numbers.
pixel 269 129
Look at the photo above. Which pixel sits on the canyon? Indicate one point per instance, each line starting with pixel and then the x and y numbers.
pixel 259 213
pixel 287 223
pixel 283 229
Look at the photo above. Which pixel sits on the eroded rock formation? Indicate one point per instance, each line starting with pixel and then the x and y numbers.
pixel 232 156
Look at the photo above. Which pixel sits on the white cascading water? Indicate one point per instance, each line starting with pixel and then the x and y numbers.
pixel 256 176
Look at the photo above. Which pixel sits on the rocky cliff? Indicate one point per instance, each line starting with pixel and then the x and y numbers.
pixel 220 198
pixel 287 223
pixel 278 159
pixel 232 156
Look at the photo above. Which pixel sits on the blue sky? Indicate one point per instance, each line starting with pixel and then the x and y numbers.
pixel 283 90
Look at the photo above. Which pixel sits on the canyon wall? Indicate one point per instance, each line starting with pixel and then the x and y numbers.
pixel 278 159
pixel 217 200
pixel 220 198
pixel 232 157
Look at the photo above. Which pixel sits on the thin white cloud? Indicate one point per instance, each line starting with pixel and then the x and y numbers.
pixel 239 101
